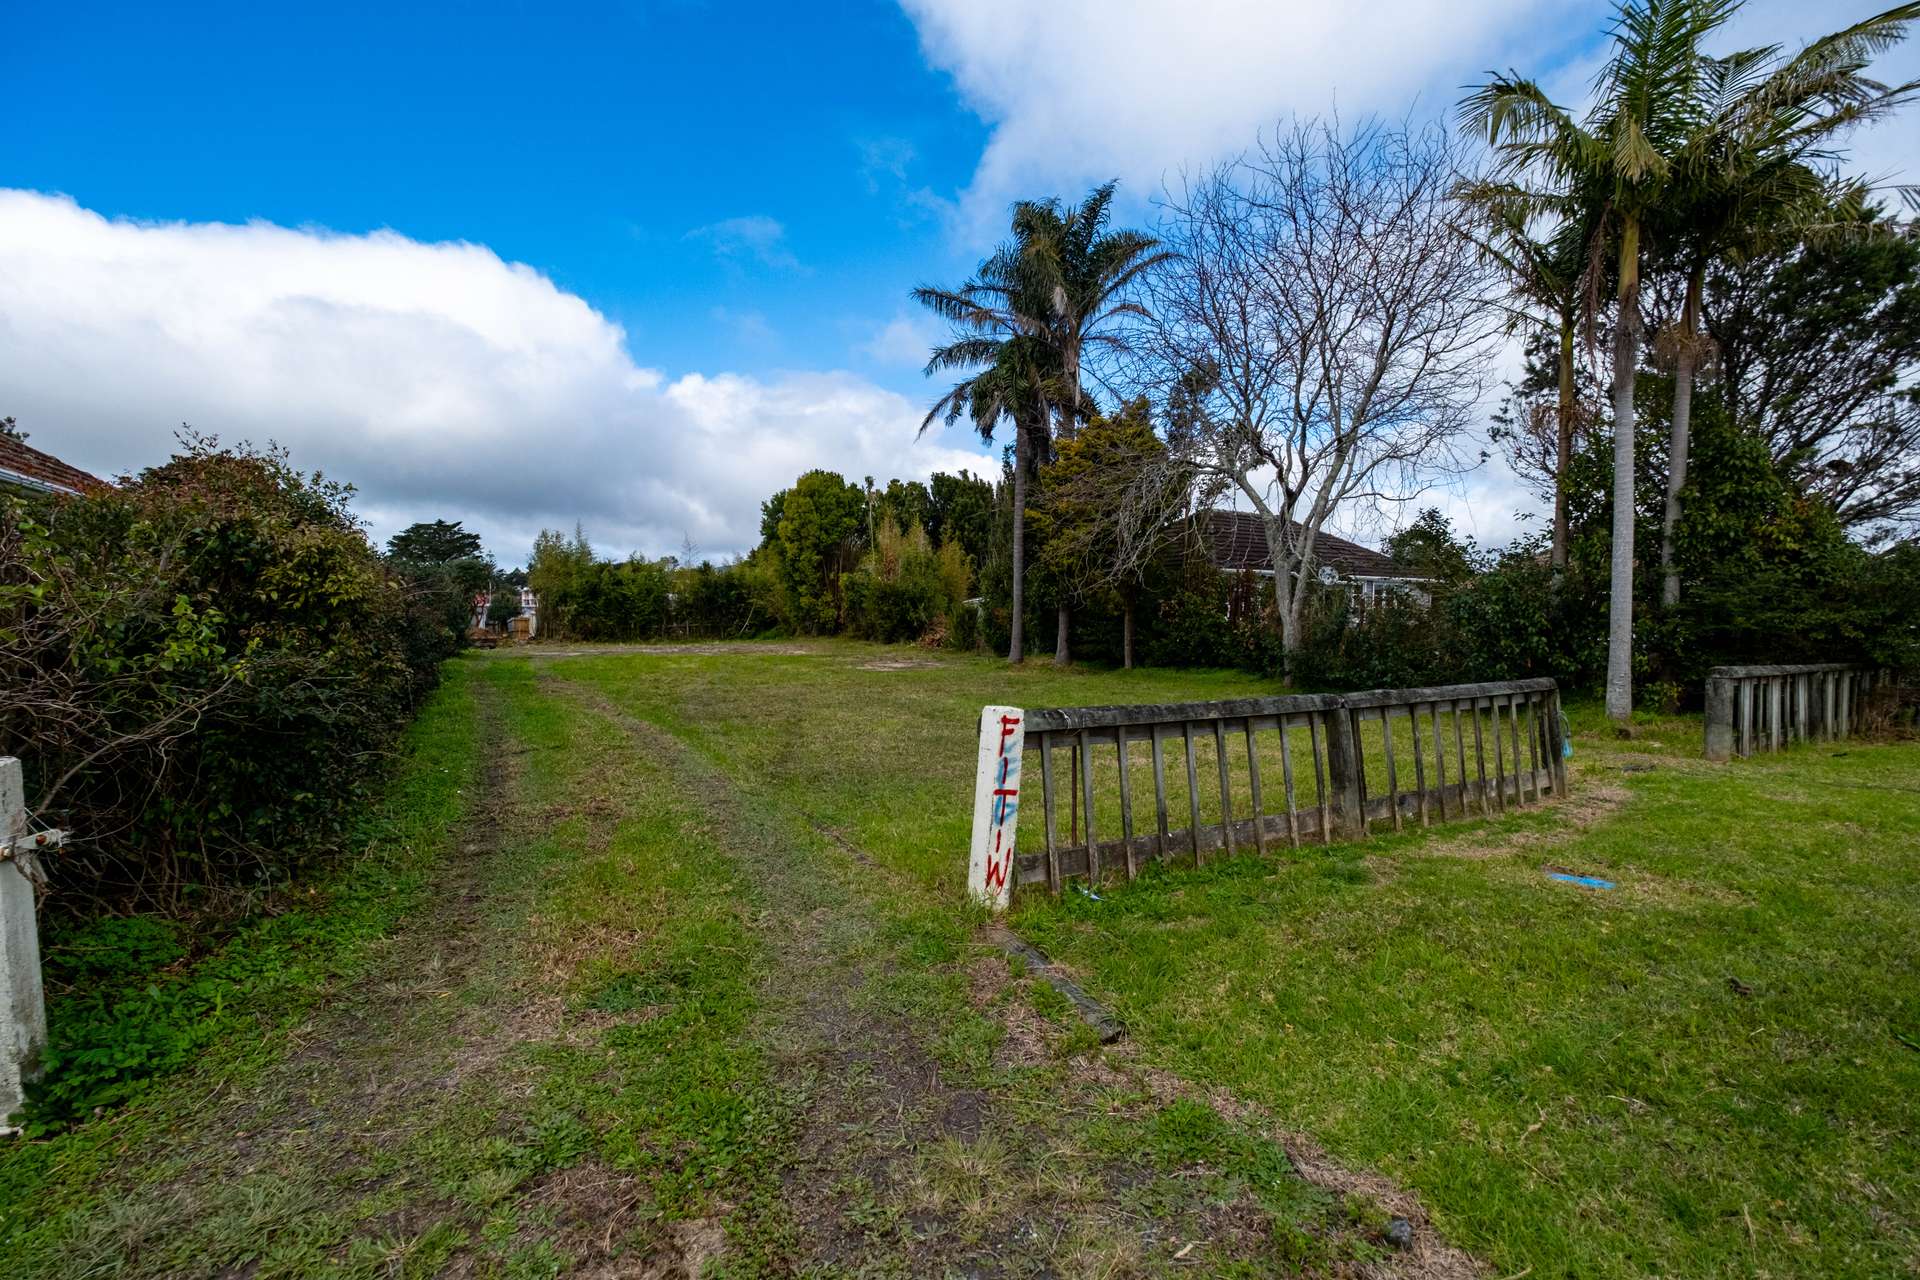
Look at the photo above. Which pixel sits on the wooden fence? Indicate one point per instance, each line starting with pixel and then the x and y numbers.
pixel 1462 750
pixel 1753 709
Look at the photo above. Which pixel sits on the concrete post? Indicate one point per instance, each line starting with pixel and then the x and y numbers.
pixel 23 1010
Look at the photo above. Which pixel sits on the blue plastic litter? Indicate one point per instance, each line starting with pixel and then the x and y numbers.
pixel 1089 893
pixel 1590 882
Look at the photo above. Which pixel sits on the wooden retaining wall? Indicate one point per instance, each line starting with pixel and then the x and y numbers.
pixel 1475 749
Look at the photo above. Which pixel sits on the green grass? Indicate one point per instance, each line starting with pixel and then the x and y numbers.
pixel 1570 1078
pixel 720 970
pixel 229 1014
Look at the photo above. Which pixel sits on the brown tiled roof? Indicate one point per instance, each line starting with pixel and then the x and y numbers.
pixel 1239 541
pixel 22 464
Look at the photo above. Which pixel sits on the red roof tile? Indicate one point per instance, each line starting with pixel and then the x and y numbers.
pixel 22 464
pixel 1239 541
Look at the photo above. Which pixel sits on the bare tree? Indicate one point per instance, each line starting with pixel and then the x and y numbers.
pixel 1326 325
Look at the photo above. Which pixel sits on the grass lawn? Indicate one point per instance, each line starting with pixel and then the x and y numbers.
pixel 1713 1069
pixel 659 960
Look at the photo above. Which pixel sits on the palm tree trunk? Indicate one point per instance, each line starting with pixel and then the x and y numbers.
pixel 1072 362
pixel 1626 354
pixel 1015 647
pixel 1563 457
pixel 1682 425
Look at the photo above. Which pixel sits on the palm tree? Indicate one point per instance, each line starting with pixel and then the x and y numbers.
pixel 1075 276
pixel 1648 109
pixel 1757 174
pixel 1024 324
pixel 1012 378
pixel 1548 278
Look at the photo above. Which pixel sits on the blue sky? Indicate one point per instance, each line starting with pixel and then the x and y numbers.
pixel 634 265
pixel 591 141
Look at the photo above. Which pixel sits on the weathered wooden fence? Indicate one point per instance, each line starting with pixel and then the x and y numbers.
pixel 1753 709
pixel 1463 750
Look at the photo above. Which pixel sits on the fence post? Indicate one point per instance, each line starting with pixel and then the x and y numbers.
pixel 1343 773
pixel 23 1011
pixel 1719 718
pixel 996 806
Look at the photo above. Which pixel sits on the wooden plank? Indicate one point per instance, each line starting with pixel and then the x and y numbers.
pixel 1480 758
pixel 1319 777
pixel 1126 808
pixel 1108 718
pixel 1555 732
pixel 1346 773
pixel 1460 745
pixel 1499 760
pixel 1073 797
pixel 1533 747
pixel 1286 774
pixel 1399 697
pixel 1439 755
pixel 1226 792
pixel 1193 793
pixel 1159 732
pixel 1086 786
pixel 1253 788
pixel 1030 868
pixel 1047 802
pixel 1419 764
pixel 1513 728
pixel 1393 773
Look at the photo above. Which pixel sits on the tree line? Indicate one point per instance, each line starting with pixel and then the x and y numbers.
pixel 1309 329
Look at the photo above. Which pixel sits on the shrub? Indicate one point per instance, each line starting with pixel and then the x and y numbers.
pixel 201 670
pixel 903 586
pixel 965 633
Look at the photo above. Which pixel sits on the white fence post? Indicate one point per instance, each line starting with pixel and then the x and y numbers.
pixel 996 805
pixel 23 1010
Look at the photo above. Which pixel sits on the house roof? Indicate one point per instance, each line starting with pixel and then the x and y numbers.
pixel 1238 541
pixel 22 464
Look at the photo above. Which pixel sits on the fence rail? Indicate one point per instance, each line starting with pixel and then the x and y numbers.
pixel 1309 768
pixel 1765 708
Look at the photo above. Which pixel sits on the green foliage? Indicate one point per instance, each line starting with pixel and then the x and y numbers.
pixel 814 536
pixel 1430 547
pixel 182 660
pixel 964 632
pixel 903 586
pixel 722 600
pixel 134 998
pixel 434 542
pixel 961 510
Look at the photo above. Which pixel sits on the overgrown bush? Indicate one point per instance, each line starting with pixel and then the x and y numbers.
pixel 903 585
pixel 202 669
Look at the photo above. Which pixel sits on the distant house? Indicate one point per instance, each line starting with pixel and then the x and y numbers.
pixel 23 467
pixel 1238 543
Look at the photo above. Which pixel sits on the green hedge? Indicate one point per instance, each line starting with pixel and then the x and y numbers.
pixel 202 670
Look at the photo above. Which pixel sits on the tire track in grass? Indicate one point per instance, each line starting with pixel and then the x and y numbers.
pixel 926 1140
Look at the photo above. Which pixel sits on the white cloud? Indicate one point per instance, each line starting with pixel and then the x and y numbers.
pixel 884 157
pixel 904 340
pixel 754 238
pixel 1077 91
pixel 440 379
